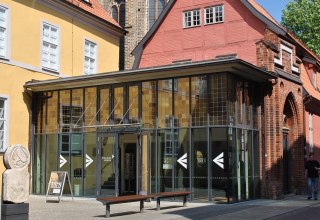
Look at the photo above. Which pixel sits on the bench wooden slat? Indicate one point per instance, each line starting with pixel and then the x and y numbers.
pixel 141 198
pixel 123 199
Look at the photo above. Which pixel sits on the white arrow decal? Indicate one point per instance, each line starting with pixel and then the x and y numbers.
pixel 88 160
pixel 219 160
pixel 62 161
pixel 183 160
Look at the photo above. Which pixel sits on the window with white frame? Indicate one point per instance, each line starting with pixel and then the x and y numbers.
pixel 310 133
pixel 3 31
pixel 3 123
pixel 314 76
pixel 90 57
pixel 213 15
pixel 50 47
pixel 191 18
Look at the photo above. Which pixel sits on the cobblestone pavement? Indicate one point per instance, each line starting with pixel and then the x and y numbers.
pixel 89 208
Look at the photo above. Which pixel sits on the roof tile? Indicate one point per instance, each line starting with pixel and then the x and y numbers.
pixel 94 8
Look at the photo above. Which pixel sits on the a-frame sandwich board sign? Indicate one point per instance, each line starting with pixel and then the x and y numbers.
pixel 56 184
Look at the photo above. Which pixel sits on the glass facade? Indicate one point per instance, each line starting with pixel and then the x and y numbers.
pixel 195 133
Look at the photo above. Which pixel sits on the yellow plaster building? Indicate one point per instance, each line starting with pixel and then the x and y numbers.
pixel 47 39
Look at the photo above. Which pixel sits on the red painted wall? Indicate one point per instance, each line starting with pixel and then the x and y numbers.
pixel 316 134
pixel 238 34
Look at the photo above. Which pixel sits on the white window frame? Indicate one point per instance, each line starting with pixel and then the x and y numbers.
pixel 191 14
pixel 5 29
pixel 213 14
pixel 94 57
pixel 310 133
pixel 5 120
pixel 290 51
pixel 57 44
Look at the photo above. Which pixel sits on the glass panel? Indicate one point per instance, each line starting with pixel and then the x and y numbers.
pixel 77 110
pixel 89 174
pixel 249 165
pixel 65 111
pixel 145 170
pixel 52 125
pixel 231 98
pixel 182 161
pixel 40 113
pixel 199 100
pixel 239 96
pixel 218 99
pixel 241 168
pixel 90 115
pixel 118 105
pixel 199 164
pixel 165 163
pixel 182 102
pixel 256 164
pixel 255 106
pixel 128 163
pixel 219 148
pixel 77 174
pixel 247 102
pixel 153 160
pixel 148 104
pixel 233 165
pixel 133 104
pixel 108 166
pixel 52 156
pixel 165 104
pixel 38 165
pixel 104 106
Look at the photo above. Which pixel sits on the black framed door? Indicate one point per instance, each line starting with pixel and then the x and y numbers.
pixel 118 166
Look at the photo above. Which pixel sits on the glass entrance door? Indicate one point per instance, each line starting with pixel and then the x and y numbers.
pixel 108 161
pixel 118 165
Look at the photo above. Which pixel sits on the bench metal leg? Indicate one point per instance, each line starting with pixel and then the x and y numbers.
pixel 141 207
pixel 158 204
pixel 184 201
pixel 107 211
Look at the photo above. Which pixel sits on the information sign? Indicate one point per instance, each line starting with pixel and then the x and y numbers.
pixel 56 185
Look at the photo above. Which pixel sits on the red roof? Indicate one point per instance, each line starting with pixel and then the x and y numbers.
pixel 94 8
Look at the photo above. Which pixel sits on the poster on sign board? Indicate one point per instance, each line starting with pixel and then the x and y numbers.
pixel 56 185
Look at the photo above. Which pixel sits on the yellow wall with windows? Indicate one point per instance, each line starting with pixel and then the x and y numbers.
pixel 26 19
pixel 24 60
pixel 19 102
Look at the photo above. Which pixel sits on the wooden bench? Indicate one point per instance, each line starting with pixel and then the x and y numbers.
pixel 159 196
pixel 123 199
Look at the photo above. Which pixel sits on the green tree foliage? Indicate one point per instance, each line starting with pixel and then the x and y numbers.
pixel 302 17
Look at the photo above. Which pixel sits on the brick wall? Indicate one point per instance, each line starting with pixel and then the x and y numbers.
pixel 283 99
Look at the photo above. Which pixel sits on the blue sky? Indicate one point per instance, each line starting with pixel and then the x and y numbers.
pixel 274 7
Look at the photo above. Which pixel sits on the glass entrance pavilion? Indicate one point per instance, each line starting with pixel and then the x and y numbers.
pixel 193 127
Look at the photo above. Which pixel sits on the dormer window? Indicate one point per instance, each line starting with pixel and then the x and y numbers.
pixel 278 60
pixel 191 18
